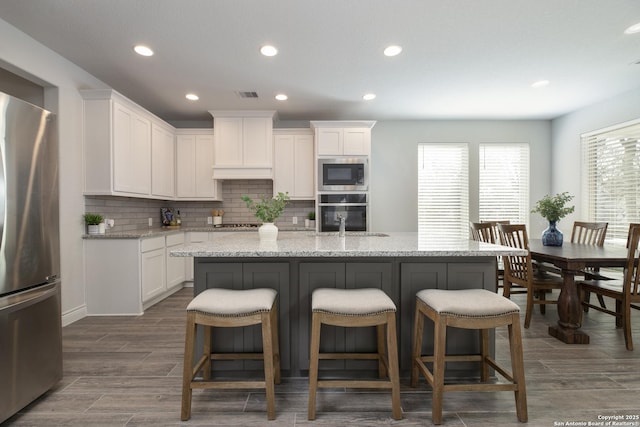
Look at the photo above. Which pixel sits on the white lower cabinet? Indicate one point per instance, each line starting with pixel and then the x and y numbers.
pixel 127 276
pixel 194 237
pixel 153 261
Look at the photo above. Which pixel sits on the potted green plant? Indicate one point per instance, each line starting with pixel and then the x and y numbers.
pixel 93 221
pixel 553 209
pixel 268 210
pixel 310 222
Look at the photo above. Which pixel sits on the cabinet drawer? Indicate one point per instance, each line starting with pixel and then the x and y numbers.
pixel 151 244
pixel 175 239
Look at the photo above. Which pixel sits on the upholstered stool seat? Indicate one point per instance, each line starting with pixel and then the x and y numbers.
pixel 467 309
pixel 231 308
pixel 356 308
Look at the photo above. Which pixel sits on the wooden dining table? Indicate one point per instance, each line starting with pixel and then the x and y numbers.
pixel 572 258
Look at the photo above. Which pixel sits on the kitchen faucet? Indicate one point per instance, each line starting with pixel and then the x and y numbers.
pixel 342 225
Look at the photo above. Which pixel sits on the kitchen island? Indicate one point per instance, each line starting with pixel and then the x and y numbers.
pixel 401 264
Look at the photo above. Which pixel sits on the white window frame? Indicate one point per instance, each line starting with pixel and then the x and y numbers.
pixel 611 178
pixel 503 181
pixel 443 191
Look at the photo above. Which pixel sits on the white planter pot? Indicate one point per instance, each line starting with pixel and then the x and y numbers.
pixel 93 229
pixel 101 228
pixel 268 232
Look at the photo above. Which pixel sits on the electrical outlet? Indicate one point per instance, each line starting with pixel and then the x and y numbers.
pixel 150 222
pixel 295 220
pixel 209 220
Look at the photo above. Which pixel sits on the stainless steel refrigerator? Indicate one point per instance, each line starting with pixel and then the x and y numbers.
pixel 30 319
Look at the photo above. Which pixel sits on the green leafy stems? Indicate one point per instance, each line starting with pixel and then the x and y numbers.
pixel 553 208
pixel 267 210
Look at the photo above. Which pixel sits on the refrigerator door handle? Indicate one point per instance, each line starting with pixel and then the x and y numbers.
pixel 3 195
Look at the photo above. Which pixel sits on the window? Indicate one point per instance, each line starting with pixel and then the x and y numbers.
pixel 443 191
pixel 504 182
pixel 611 178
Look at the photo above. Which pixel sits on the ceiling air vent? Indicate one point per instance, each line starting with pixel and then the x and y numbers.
pixel 247 94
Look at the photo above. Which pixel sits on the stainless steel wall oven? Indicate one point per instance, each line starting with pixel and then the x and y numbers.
pixel 351 206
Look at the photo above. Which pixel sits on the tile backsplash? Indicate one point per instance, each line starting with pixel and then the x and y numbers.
pixel 132 213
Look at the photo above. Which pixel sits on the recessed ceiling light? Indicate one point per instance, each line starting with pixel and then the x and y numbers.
pixel 540 83
pixel 633 29
pixel 143 50
pixel 281 97
pixel 192 97
pixel 369 96
pixel 268 50
pixel 392 50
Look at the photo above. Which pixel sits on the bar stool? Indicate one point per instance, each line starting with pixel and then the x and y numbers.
pixel 355 308
pixel 226 308
pixel 468 309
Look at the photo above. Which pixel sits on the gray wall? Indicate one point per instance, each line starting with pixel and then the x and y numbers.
pixel 394 195
pixel 566 131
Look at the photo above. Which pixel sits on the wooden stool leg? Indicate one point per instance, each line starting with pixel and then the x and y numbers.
pixel 418 327
pixel 517 366
pixel 382 370
pixel 313 364
pixel 439 347
pixel 276 343
pixel 484 351
pixel 187 371
pixel 267 352
pixel 206 368
pixel 394 374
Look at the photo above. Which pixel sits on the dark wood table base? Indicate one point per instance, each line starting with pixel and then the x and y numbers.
pixel 568 336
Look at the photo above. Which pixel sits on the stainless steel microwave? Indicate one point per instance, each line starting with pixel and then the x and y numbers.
pixel 343 174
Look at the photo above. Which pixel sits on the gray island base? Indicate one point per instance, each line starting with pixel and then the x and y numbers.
pixel 400 264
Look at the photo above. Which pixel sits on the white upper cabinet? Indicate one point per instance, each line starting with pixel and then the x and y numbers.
pixel 118 157
pixel 343 138
pixel 194 165
pixel 162 161
pixel 293 169
pixel 243 144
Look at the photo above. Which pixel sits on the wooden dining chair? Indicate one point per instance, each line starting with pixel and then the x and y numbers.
pixel 486 231
pixel 518 271
pixel 585 233
pixel 625 292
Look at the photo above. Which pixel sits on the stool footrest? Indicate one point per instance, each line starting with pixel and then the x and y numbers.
pixel 237 356
pixel 383 384
pixel 354 356
pixel 227 384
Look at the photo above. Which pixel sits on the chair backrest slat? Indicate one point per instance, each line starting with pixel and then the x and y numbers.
pixel 589 233
pixel 517 268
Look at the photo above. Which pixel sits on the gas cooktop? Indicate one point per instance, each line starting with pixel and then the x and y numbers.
pixel 247 225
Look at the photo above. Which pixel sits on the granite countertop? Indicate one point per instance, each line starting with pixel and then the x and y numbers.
pixel 142 233
pixel 310 244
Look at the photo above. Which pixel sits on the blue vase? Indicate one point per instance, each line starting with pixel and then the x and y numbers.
pixel 552 236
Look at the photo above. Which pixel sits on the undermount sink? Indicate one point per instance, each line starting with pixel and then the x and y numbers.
pixel 352 234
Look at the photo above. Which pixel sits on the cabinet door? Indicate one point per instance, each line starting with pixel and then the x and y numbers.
pixel 162 162
pixel 204 152
pixel 330 141
pixel 283 164
pixel 185 171
pixel 357 141
pixel 304 160
pixel 257 148
pixel 153 273
pixel 176 266
pixel 228 141
pixel 131 151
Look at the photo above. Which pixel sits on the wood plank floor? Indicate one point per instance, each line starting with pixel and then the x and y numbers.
pixel 126 371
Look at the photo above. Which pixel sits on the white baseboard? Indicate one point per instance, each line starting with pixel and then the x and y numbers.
pixel 73 315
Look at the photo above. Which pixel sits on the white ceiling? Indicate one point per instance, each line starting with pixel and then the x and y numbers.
pixel 462 59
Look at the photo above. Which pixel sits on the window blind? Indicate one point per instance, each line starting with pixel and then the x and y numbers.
pixel 443 190
pixel 504 182
pixel 611 178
